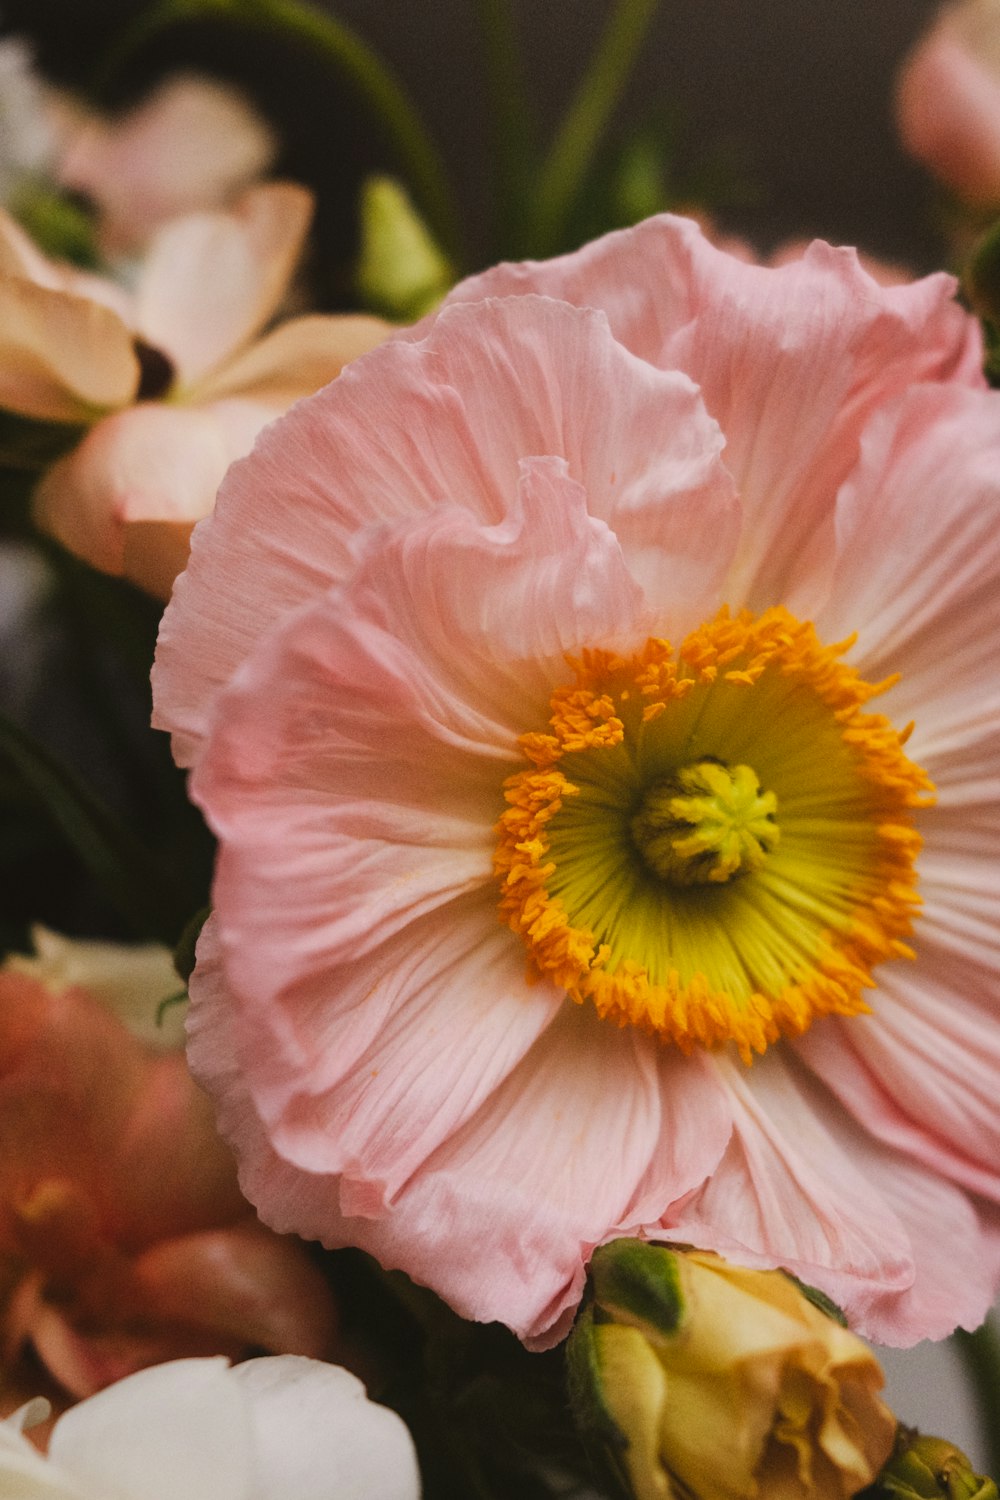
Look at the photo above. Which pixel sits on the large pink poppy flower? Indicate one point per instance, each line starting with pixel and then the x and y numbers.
pixel 556 903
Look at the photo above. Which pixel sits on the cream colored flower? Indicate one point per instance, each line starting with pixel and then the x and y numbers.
pixel 285 1428
pixel 174 380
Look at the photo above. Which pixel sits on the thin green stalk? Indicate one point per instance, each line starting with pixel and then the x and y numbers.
pixel 352 59
pixel 573 149
pixel 512 123
pixel 980 1353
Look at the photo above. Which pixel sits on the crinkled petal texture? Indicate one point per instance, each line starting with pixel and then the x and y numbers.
pixel 284 1428
pixel 579 455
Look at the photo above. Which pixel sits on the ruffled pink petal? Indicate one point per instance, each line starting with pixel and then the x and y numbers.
pixel 903 1251
pixel 790 360
pixel 62 358
pixel 458 1017
pixel 948 111
pixel 788 1192
pixel 920 1072
pixel 955 1245
pixel 295 359
pixel 368 793
pixel 593 1124
pixel 243 1283
pixel 917 571
pixel 211 280
pixel 150 463
pixel 453 420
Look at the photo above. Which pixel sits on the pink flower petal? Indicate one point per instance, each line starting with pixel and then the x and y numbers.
pixel 956 1253
pixel 788 1193
pixel 150 463
pixel 191 144
pixel 62 358
pixel 368 793
pixel 790 361
pixel 948 111
pixel 920 1073
pixel 917 573
pixel 212 280
pixel 637 440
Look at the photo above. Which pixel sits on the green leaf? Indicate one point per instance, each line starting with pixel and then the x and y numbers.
pixel 127 873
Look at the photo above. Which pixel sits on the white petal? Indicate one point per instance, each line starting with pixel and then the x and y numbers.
pixel 179 1431
pixel 318 1437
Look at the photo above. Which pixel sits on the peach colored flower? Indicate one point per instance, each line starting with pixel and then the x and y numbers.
pixel 124 1239
pixel 948 100
pixel 527 850
pixel 174 380
pixel 193 143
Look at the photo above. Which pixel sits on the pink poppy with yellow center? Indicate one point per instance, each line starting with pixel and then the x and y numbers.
pixel 593 692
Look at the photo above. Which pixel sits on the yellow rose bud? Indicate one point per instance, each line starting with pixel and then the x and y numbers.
pixel 706 1379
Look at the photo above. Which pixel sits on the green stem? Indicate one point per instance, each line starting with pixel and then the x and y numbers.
pixel 980 1354
pixel 352 59
pixel 512 122
pixel 573 148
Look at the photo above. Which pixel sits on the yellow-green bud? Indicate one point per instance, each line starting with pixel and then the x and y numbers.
pixel 705 1379
pixel 401 272
pixel 930 1468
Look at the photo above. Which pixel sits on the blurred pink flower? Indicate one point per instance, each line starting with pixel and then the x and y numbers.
pixel 194 143
pixel 175 379
pixel 948 101
pixel 124 1239
pixel 419 664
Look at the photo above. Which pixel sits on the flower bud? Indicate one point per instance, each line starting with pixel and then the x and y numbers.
pixel 948 100
pixel 930 1468
pixel 721 1382
pixel 401 272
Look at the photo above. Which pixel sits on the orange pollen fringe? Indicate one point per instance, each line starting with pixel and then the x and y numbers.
pixel 829 961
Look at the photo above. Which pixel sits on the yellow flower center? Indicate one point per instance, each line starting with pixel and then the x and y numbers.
pixel 715 844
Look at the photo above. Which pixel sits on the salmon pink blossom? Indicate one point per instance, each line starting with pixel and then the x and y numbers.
pixel 594 695
pixel 124 1239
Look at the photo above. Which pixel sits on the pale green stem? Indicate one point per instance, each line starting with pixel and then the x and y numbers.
pixel 980 1352
pixel 573 149
pixel 353 60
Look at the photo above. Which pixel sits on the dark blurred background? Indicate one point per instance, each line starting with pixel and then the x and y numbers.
pixel 787 103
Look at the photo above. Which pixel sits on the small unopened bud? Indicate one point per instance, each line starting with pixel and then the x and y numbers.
pixel 929 1468
pixel 401 272
pixel 704 1379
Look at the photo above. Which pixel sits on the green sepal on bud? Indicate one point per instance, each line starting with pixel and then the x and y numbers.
pixel 929 1468
pixel 401 272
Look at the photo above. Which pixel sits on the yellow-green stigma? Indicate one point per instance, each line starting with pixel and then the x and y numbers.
pixel 706 822
pixel 640 857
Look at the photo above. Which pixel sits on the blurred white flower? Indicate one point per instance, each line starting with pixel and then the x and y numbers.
pixel 285 1428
